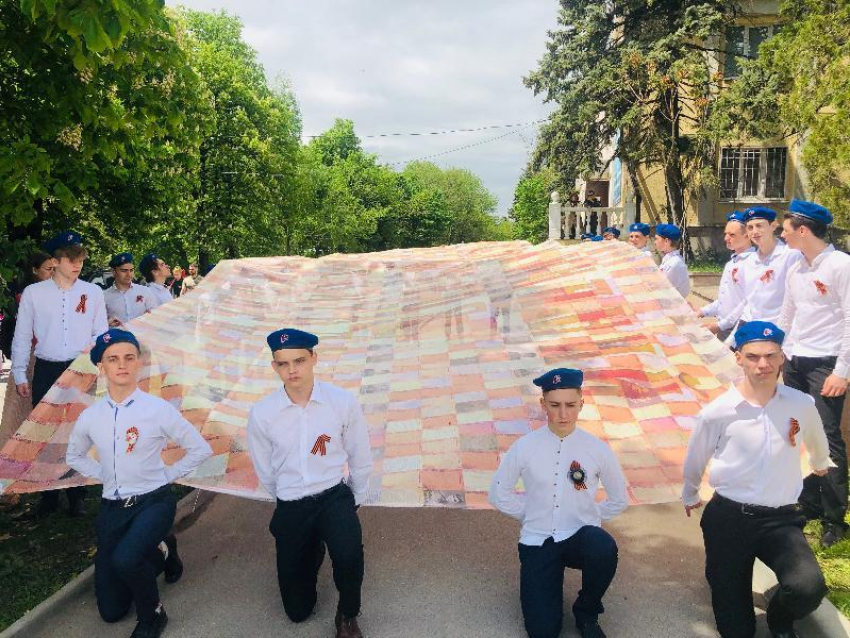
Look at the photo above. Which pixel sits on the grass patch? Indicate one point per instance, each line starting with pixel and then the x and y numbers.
pixel 38 557
pixel 835 563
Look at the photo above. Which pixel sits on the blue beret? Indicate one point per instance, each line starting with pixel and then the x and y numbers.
pixel 584 236
pixel 560 378
pixel 811 211
pixel 760 212
pixel 110 338
pixel 597 238
pixel 148 260
pixel 291 339
pixel 61 240
pixel 669 231
pixel 612 230
pixel 120 259
pixel 736 216
pixel 207 270
pixel 639 228
pixel 758 331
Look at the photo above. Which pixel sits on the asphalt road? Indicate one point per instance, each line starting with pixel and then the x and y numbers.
pixel 429 573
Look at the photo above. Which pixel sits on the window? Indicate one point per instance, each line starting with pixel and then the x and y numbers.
pixel 753 173
pixel 744 42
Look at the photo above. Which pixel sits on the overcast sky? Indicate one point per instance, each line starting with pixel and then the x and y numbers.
pixel 396 66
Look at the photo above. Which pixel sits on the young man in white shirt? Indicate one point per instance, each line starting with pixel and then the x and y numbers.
pixel 816 316
pixel 668 238
pixel 752 435
pixel 301 437
pixel 561 467
pixel 62 316
pixel 156 272
pixel 764 272
pixel 129 429
pixel 126 300
pixel 639 236
pixel 729 305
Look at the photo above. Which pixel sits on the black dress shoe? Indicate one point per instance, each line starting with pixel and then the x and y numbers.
pixel 153 628
pixel 831 534
pixel 789 633
pixel 590 630
pixel 173 565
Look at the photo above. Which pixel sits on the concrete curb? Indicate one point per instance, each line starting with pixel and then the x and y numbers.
pixel 188 509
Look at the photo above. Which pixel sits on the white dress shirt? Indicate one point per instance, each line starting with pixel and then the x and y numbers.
pixel 674 267
pixel 299 452
pixel 63 322
pixel 129 438
pixel 551 505
pixel 128 304
pixel 763 283
pixel 816 309
pixel 752 459
pixel 161 294
pixel 730 300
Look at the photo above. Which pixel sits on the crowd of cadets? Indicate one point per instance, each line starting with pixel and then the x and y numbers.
pixel 785 304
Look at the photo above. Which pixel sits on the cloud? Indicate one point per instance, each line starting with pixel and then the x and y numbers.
pixel 395 66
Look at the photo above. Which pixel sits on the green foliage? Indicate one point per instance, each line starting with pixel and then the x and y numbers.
pixel 530 211
pixel 633 69
pixel 799 86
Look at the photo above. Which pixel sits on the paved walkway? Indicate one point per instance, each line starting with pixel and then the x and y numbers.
pixel 429 573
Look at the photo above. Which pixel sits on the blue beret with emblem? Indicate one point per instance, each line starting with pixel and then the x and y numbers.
pixel 597 238
pixel 120 259
pixel 758 331
pixel 669 231
pixel 736 216
pixel 148 262
pixel 760 212
pixel 62 240
pixel 291 339
pixel 612 230
pixel 638 227
pixel 110 338
pixel 810 210
pixel 560 378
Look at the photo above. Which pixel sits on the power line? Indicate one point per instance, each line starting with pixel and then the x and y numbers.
pixel 460 148
pixel 445 132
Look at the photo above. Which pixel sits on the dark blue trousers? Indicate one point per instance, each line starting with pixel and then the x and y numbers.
pixel 128 558
pixel 300 528
pixel 591 550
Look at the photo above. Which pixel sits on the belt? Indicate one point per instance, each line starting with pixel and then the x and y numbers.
pixel 315 497
pixel 136 499
pixel 749 509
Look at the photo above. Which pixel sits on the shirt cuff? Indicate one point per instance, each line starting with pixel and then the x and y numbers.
pixel 690 498
pixel 841 369
pixel 20 376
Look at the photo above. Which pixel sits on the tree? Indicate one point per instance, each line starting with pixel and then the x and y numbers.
pixel 799 86
pixel 530 210
pixel 635 73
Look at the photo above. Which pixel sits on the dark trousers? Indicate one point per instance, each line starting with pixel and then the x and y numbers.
pixel 45 374
pixel 823 497
pixel 734 537
pixel 128 558
pixel 591 550
pixel 300 528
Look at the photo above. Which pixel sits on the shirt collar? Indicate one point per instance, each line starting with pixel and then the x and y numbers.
pixel 738 398
pixel 743 255
pixel 316 395
pixel 124 404
pixel 673 253
pixel 823 255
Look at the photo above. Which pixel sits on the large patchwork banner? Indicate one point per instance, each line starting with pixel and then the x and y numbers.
pixel 441 346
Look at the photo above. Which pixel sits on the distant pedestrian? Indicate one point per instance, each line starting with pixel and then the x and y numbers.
pixel 176 284
pixel 126 300
pixel 191 280
pixel 62 316
pixel 156 272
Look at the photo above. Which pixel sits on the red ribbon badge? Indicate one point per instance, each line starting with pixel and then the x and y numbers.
pixel 140 299
pixel 793 431
pixel 132 436
pixel 578 476
pixel 319 446
pixel 734 275
pixel 767 277
pixel 81 307
pixel 821 288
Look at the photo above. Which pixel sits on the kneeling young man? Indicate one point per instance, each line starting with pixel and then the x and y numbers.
pixel 561 467
pixel 129 429
pixel 752 434
pixel 301 437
